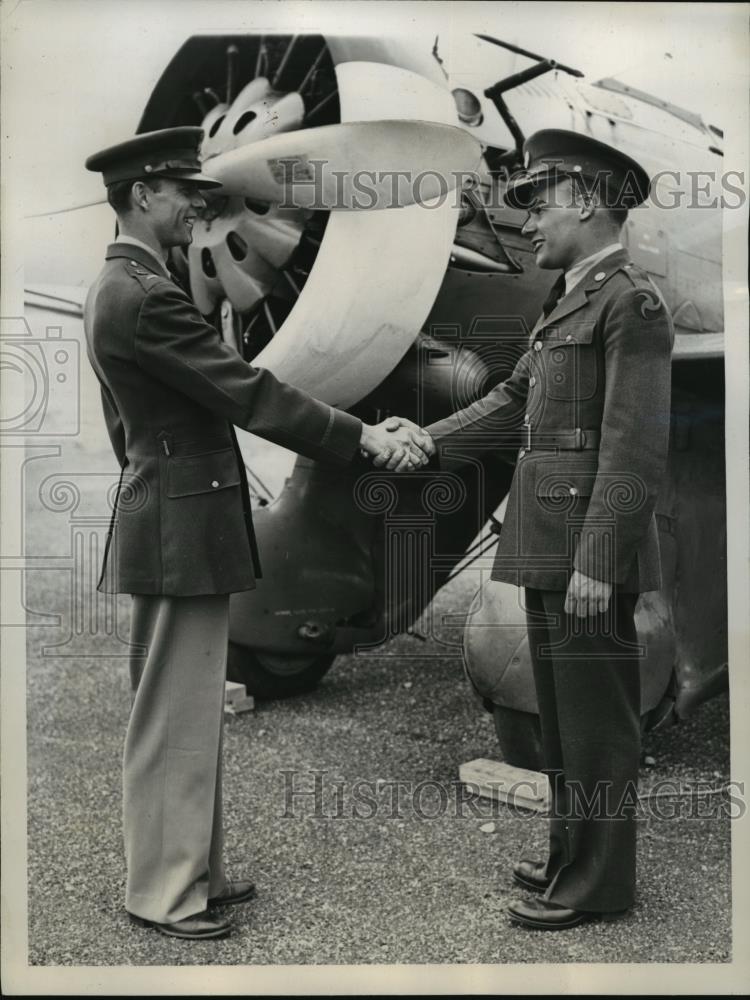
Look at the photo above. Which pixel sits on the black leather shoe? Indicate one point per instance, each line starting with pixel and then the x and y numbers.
pixel 545 916
pixel 196 927
pixel 235 892
pixel 530 875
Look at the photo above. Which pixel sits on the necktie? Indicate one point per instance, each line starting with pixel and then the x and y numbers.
pixel 555 294
pixel 178 279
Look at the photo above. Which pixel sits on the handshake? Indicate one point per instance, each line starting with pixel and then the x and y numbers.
pixel 396 444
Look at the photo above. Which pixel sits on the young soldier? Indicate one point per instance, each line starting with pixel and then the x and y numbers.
pixel 183 538
pixel 591 397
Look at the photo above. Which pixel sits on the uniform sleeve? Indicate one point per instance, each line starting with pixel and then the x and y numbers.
pixel 490 423
pixel 638 340
pixel 174 344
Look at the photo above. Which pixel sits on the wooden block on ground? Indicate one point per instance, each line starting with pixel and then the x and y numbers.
pixel 493 779
pixel 236 698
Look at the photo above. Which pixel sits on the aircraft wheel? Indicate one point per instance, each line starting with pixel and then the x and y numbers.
pixel 269 677
pixel 520 737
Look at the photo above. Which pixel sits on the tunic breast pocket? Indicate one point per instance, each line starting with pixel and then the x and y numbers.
pixel 570 363
pixel 206 473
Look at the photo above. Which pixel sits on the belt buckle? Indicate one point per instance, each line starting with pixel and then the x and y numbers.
pixel 579 436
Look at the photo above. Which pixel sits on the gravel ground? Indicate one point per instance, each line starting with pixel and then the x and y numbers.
pixel 416 883
pixel 412 884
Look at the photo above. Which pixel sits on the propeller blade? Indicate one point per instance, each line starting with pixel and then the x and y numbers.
pixel 354 165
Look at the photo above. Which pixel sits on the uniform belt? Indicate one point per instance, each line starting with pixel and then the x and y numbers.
pixel 575 440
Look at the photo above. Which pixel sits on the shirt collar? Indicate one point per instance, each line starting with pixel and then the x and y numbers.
pixel 577 271
pixel 133 241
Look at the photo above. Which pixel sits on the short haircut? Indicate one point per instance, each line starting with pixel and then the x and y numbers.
pixel 118 193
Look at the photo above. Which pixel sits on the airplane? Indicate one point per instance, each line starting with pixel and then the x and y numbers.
pixel 418 310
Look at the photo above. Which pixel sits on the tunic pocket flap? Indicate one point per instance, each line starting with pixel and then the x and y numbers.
pixel 565 483
pixel 206 473
pixel 574 333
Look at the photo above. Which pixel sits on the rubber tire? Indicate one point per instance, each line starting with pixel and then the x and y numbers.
pixel 244 667
pixel 520 737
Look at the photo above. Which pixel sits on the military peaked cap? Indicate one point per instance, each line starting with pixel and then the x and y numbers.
pixel 554 154
pixel 170 152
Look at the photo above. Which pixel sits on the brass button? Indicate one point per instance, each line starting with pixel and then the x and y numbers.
pixel 522 452
pixel 148 168
pixel 215 483
pixel 600 276
pixel 573 491
pixel 569 337
pixel 532 381
pixel 537 345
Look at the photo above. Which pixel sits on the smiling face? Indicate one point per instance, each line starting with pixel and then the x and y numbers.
pixel 555 226
pixel 173 206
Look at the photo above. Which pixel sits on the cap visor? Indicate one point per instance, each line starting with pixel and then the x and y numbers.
pixel 520 194
pixel 201 180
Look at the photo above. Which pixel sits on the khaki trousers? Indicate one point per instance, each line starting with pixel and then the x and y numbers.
pixel 172 761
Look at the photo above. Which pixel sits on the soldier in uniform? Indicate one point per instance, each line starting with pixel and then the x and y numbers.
pixel 181 538
pixel 591 399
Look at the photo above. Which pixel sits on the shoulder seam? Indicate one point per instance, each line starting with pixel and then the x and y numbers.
pixel 150 281
pixel 637 274
pixel 626 270
pixel 147 279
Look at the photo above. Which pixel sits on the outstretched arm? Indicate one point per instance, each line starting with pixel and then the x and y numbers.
pixel 175 345
pixel 491 422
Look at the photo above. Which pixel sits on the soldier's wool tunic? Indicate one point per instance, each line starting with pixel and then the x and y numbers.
pixel 171 391
pixel 591 400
